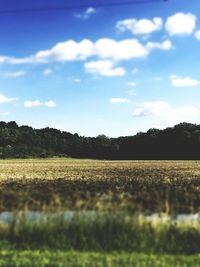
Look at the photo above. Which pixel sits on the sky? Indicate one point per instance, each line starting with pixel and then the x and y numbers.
pixel 114 70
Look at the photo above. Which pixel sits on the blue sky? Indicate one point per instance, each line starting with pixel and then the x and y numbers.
pixel 113 71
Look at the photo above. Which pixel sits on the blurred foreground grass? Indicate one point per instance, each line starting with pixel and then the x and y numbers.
pixel 101 232
pixel 48 258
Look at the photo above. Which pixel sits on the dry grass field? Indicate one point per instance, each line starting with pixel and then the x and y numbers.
pixel 96 169
pixel 155 186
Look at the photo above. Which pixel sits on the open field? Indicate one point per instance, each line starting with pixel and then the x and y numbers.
pixel 150 186
pixel 54 168
pixel 111 204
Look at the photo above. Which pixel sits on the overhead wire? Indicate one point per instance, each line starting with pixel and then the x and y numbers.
pixel 80 6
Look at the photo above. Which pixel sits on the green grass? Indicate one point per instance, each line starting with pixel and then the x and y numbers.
pixel 47 258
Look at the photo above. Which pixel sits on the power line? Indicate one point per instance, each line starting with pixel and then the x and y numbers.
pixel 68 7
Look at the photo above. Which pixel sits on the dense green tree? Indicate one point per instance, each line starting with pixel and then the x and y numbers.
pixel 179 142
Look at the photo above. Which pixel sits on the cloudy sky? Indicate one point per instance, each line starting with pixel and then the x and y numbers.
pixel 100 70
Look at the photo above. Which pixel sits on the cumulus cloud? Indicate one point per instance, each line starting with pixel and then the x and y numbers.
pixel 15 74
pixel 104 68
pixel 47 72
pixel 151 108
pixel 86 14
pixel 181 24
pixel 104 48
pixel 183 81
pixel 119 100
pixel 50 104
pixel 66 51
pixel 38 103
pixel 120 50
pixel 165 45
pixel 163 112
pixel 197 34
pixel 142 26
pixel 5 99
pixel 31 104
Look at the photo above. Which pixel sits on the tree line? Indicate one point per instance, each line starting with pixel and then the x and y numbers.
pixel 179 142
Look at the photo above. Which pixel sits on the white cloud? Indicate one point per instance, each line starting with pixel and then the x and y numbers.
pixel 5 99
pixel 104 48
pixel 165 45
pixel 197 34
pixel 90 10
pixel 50 104
pixel 47 71
pixel 86 14
pixel 15 74
pixel 132 84
pixel 165 114
pixel 120 50
pixel 142 26
pixel 37 103
pixel 31 104
pixel 119 100
pixel 181 24
pixel 183 81
pixel 151 108
pixel 104 68
pixel 66 51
